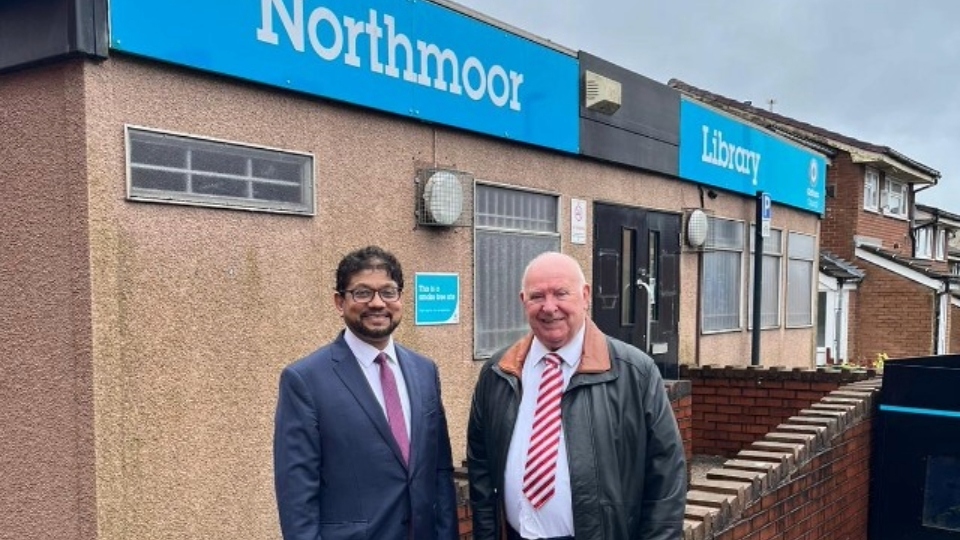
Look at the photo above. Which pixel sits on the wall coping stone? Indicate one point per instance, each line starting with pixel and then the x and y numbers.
pixel 775 459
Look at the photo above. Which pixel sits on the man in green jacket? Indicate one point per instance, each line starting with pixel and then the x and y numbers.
pixel 571 434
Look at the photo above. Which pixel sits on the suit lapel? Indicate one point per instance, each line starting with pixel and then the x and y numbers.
pixel 347 367
pixel 415 392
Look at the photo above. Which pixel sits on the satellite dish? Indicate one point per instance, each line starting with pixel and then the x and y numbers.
pixel 443 198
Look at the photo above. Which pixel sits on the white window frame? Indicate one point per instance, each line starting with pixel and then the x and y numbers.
pixel 923 249
pixel 496 294
pixel 871 190
pixel 771 252
pixel 895 198
pixel 809 259
pixel 251 179
pixel 940 248
pixel 711 248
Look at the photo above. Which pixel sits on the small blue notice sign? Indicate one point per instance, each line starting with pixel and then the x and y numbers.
pixel 437 298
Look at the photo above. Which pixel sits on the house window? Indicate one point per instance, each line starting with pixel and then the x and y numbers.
pixel 722 275
pixel 871 190
pixel 163 167
pixel 770 299
pixel 924 239
pixel 512 227
pixel 895 198
pixel 801 254
pixel 940 248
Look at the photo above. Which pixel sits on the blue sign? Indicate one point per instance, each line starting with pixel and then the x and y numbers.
pixel 412 58
pixel 766 209
pixel 720 151
pixel 438 298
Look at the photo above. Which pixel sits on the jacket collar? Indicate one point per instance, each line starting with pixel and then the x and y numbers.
pixel 595 357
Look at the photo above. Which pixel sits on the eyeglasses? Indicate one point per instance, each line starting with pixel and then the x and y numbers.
pixel 364 295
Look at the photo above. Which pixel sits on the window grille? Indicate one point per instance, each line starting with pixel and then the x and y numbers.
pixel 512 227
pixel 163 167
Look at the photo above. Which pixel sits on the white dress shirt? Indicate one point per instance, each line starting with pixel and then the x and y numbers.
pixel 555 517
pixel 366 355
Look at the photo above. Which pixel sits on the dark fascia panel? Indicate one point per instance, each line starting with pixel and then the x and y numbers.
pixel 644 132
pixel 39 31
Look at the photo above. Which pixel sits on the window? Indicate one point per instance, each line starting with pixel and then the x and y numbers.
pixel 922 250
pixel 722 277
pixel 770 300
pixel 801 253
pixel 895 198
pixel 939 249
pixel 512 227
pixel 163 167
pixel 871 190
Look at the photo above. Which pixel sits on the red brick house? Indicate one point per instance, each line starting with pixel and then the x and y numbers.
pixel 885 284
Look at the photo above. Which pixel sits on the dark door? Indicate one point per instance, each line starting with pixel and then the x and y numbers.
pixel 637 259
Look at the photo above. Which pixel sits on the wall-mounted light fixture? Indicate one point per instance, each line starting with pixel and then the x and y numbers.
pixel 444 198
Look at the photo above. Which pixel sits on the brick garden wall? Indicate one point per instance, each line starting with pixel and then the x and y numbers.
pixel 806 480
pixel 735 406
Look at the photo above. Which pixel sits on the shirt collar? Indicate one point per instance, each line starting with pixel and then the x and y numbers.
pixel 365 352
pixel 570 353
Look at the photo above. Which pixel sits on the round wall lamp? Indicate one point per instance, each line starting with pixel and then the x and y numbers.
pixel 443 198
pixel 697 224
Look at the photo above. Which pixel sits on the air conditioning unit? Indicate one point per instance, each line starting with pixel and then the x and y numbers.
pixel 601 94
pixel 444 198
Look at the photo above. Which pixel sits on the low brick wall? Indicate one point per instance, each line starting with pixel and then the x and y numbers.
pixel 807 479
pixel 681 399
pixel 736 405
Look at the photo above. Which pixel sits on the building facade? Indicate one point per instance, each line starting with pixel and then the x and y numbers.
pixel 179 190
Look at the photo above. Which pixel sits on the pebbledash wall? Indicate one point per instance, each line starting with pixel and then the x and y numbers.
pixel 144 340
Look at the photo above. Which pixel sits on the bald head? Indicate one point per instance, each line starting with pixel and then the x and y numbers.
pixel 556 297
pixel 557 260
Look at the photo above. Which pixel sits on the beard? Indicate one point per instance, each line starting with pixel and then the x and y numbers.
pixel 361 330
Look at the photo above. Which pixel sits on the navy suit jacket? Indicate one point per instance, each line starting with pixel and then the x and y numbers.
pixel 338 470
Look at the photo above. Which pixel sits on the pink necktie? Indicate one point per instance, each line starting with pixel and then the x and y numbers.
pixel 540 472
pixel 391 401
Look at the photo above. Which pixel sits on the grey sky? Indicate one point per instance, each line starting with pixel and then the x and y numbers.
pixel 883 71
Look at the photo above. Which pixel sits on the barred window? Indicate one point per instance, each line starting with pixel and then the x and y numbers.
pixel 163 167
pixel 512 227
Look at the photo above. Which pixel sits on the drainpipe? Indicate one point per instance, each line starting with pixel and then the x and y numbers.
pixel 838 322
pixel 939 314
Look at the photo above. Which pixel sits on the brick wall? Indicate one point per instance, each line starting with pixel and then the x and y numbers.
pixel 845 179
pixel 954 341
pixel 845 217
pixel 894 316
pixel 735 406
pixel 681 398
pixel 807 480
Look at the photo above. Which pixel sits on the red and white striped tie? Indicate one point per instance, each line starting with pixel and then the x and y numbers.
pixel 540 473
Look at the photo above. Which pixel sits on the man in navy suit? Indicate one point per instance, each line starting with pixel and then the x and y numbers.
pixel 361 448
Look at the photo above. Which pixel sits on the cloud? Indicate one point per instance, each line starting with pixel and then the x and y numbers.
pixel 884 71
